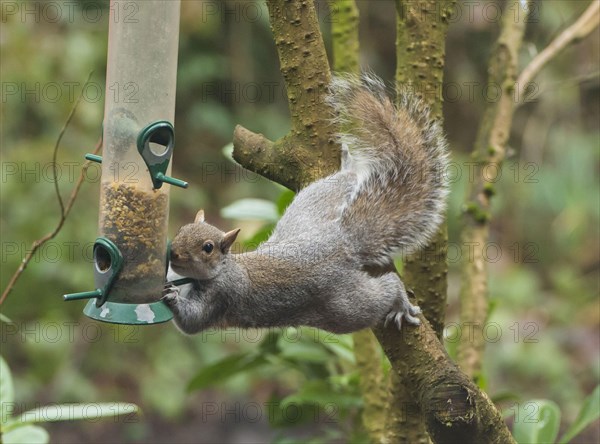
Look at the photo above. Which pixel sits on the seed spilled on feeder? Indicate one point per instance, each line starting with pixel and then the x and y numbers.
pixel 136 221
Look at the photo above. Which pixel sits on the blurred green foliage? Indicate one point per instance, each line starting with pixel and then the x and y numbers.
pixel 539 420
pixel 21 429
pixel 544 260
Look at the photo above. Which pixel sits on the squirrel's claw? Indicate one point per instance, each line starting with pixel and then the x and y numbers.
pixel 170 292
pixel 391 317
pixel 407 313
pixel 414 310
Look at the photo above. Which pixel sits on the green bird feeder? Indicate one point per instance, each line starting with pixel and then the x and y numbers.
pixel 130 254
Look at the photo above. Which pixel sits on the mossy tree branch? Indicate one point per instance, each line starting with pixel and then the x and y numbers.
pixel 373 382
pixel 453 407
pixel 489 150
pixel 344 32
pixel 420 54
pixel 309 150
pixel 373 385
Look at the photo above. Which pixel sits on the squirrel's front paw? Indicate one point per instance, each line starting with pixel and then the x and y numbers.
pixel 408 312
pixel 170 294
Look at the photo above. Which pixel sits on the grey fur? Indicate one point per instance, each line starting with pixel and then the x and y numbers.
pixel 328 263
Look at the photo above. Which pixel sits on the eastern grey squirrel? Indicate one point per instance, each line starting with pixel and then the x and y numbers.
pixel 328 263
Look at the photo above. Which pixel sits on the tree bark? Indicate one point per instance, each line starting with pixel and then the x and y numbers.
pixel 309 150
pixel 344 33
pixel 420 54
pixel 489 151
pixel 373 385
pixel 373 382
pixel 453 407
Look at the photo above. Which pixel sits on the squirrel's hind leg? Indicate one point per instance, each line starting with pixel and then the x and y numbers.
pixel 402 310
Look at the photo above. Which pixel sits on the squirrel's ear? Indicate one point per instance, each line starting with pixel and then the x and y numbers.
pixel 199 217
pixel 229 239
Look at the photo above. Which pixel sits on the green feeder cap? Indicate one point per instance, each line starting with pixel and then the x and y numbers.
pixel 130 314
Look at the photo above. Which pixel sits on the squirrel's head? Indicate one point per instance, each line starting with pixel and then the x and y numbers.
pixel 199 250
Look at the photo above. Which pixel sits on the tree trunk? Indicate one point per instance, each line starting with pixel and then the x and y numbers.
pixel 489 150
pixel 454 409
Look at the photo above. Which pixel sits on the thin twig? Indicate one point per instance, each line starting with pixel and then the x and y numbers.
pixel 57 144
pixel 65 209
pixel 588 21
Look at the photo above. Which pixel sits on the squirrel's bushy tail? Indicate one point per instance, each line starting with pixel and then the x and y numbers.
pixel 399 155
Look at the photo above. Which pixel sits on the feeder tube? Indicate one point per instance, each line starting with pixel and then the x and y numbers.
pixel 140 90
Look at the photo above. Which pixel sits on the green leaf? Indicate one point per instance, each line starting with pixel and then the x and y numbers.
pixel 537 422
pixel 269 345
pixel 322 393
pixel 590 411
pixel 343 347
pixel 224 369
pixel 304 351
pixel 7 394
pixel 284 200
pixel 505 396
pixel 73 412
pixel 26 434
pixel 481 380
pixel 255 209
pixel 323 436
pixel 291 415
pixel 260 236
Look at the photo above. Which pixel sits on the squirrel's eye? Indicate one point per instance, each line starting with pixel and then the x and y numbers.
pixel 208 247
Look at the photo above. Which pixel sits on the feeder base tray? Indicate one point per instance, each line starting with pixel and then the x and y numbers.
pixel 131 314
